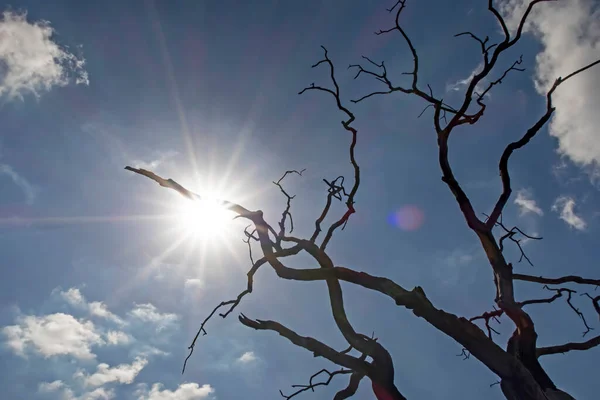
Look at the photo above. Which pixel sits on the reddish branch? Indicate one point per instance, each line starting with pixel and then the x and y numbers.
pixel 523 341
pixel 518 368
pixel 558 293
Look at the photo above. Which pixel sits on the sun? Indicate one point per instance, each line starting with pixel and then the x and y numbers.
pixel 204 218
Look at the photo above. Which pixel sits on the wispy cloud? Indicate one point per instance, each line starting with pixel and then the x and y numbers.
pixel 453 267
pixel 28 189
pixel 149 313
pixel 156 160
pixel 463 83
pixel 193 284
pixel 48 387
pixel 98 309
pixel 526 203
pixel 569 32
pixel 565 206
pixel 118 338
pixel 31 61
pixel 247 357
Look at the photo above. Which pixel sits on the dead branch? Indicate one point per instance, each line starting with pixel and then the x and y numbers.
pixel 312 385
pixel 558 293
pixel 318 348
pixel 595 302
pixel 510 234
pixel 235 302
pixel 526 138
pixel 564 348
pixel 286 212
pixel 347 126
pixel 556 281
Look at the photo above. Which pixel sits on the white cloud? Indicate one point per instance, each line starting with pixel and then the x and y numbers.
pixel 463 83
pixel 66 393
pixel 147 351
pixel 118 338
pixel 48 387
pixel 99 309
pixel 123 373
pixel 526 203
pixel 30 61
pixel 51 335
pixel 247 357
pixel 193 284
pixel 28 189
pixel 569 32
pixel 74 297
pixel 96 394
pixel 185 391
pixel 149 313
pixel 565 205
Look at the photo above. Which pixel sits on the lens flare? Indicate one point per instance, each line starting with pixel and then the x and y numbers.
pixel 407 218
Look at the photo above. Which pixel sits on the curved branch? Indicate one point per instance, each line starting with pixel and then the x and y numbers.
pixel 526 138
pixel 318 348
pixel 347 126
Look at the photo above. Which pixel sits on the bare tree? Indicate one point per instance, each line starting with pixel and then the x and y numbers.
pixel 517 366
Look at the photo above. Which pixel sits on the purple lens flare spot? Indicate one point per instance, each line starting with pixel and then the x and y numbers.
pixel 407 218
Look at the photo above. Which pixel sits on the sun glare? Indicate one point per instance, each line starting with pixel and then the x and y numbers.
pixel 204 219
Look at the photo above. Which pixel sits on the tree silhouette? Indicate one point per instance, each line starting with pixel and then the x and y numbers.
pixel 517 366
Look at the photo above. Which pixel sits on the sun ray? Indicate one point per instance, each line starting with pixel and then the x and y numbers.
pixel 45 221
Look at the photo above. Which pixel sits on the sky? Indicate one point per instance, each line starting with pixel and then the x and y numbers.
pixel 105 276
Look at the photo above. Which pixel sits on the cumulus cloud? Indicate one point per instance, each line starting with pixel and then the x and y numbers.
pixel 61 334
pixel 51 335
pixel 28 189
pixel 569 32
pixel 123 373
pixel 526 203
pixel 31 62
pixel 66 393
pixel 73 296
pixel 96 394
pixel 247 357
pixel 149 313
pixel 185 391
pixel 565 206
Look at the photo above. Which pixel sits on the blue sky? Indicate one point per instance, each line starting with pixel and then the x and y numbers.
pixel 103 283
